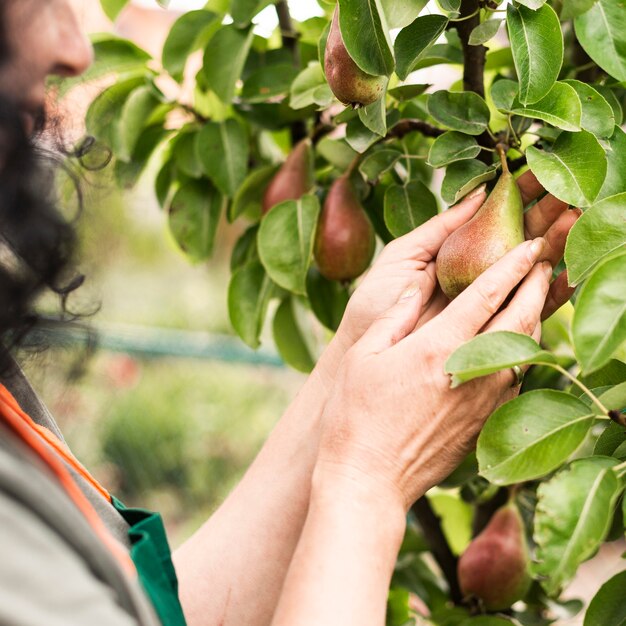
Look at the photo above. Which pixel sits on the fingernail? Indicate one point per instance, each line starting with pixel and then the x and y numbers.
pixel 409 292
pixel 576 210
pixel 547 269
pixel 536 247
pixel 477 191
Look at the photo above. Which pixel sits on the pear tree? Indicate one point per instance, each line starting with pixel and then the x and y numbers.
pixel 328 123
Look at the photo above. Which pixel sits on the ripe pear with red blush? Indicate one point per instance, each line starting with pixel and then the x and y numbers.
pixel 345 238
pixel 293 179
pixel 494 567
pixel 350 84
pixel 497 228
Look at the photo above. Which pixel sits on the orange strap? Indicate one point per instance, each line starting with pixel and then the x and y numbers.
pixel 34 436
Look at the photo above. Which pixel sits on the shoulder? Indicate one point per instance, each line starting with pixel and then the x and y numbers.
pixel 44 582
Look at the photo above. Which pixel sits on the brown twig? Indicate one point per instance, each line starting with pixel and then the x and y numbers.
pixel 406 126
pixel 438 545
pixel 290 41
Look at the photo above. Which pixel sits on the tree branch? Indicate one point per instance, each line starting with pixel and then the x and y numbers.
pixel 474 64
pixel 290 42
pixel 438 544
pixel 406 126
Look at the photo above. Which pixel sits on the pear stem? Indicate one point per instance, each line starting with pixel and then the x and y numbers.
pixel 501 149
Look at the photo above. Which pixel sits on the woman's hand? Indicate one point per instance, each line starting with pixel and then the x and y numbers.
pixel 393 424
pixel 411 259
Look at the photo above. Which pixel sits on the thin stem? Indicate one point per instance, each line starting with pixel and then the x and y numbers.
pixel 583 387
pixel 465 17
pixel 515 137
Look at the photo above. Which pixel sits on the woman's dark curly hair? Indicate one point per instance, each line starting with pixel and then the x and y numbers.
pixel 36 241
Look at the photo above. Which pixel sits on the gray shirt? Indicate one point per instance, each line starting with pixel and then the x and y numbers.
pixel 54 570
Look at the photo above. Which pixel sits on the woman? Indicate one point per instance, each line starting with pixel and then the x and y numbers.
pixel 311 534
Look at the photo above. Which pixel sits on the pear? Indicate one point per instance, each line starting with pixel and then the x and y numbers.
pixel 293 179
pixel 350 84
pixel 345 239
pixel 494 567
pixel 497 228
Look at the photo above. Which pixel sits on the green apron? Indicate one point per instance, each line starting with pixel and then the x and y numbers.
pixel 151 555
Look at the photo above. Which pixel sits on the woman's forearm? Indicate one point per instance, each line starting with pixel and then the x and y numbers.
pixel 232 570
pixel 342 567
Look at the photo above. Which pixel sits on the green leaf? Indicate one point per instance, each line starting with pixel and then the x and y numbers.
pixel 503 94
pixel 374 165
pixel 222 148
pixel 452 6
pixel 484 32
pixel 224 58
pixel 286 240
pixel 599 323
pixel 242 11
pixel 189 32
pixel 599 232
pixel 359 137
pixel 531 435
pixel 400 13
pixel 374 117
pixel 440 53
pixel 135 113
pixel 365 35
pixel 245 249
pixel 608 606
pixel 612 437
pixel 452 146
pixel 249 196
pixel 464 111
pixel 463 176
pixel 408 206
pixel 573 516
pixel 310 87
pixel 532 4
pixel 112 8
pixel 609 95
pixel 537 46
pixel 249 293
pixel 574 8
pixel 575 169
pixel 328 299
pixel 184 153
pixel 560 107
pixel 413 42
pixel 268 82
pixel 597 114
pixel 194 214
pixel 337 152
pixel 103 115
pixel 492 352
pixel 407 92
pixel 615 181
pixel 601 32
pixel 614 399
pixel 289 338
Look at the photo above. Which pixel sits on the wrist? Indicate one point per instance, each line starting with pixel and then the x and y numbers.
pixel 328 364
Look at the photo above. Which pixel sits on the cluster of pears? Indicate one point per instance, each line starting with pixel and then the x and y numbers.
pixel 345 238
pixel 497 228
pixel 350 84
pixel 494 567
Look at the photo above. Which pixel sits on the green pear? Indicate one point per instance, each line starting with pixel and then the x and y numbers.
pixel 497 228
pixel 345 239
pixel 293 179
pixel 350 84
pixel 494 567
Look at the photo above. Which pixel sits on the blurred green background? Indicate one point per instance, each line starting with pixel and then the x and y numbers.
pixel 172 434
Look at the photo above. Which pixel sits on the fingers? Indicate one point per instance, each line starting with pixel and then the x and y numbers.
pixel 556 236
pixel 539 218
pixel 523 313
pixel 560 292
pixel 394 325
pixel 430 236
pixel 529 187
pixel 475 306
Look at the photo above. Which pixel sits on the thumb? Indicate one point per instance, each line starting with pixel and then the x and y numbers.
pixel 395 324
